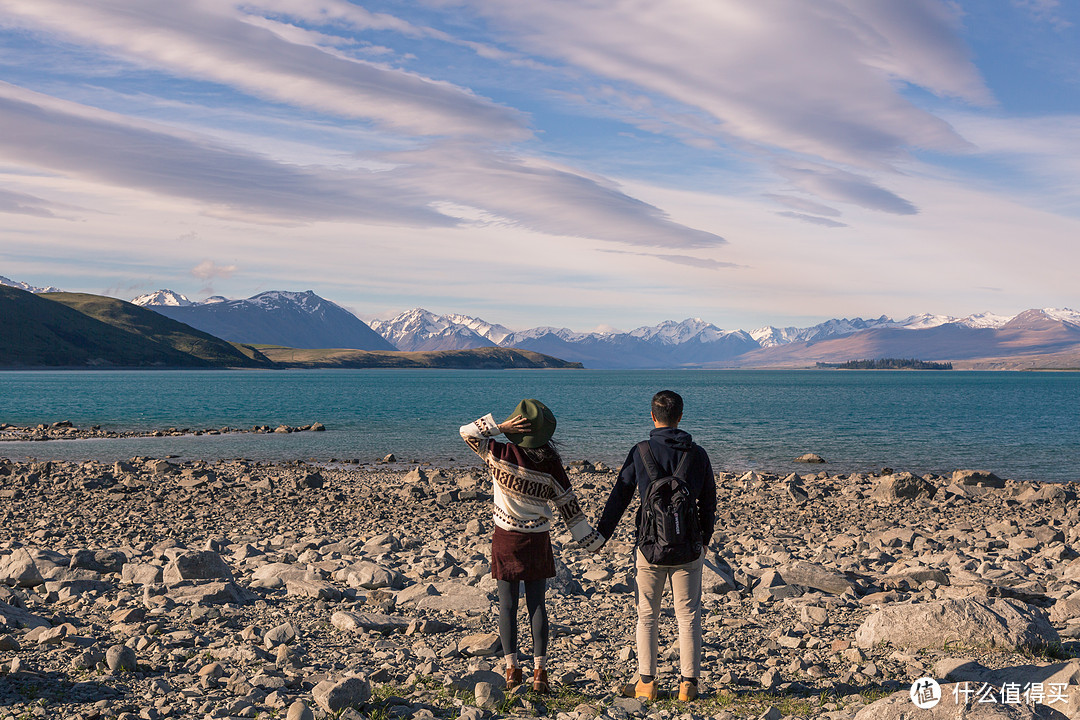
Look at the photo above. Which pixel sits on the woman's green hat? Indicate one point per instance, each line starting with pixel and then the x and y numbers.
pixel 540 418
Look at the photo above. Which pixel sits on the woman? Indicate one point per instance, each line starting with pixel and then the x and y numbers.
pixel 528 477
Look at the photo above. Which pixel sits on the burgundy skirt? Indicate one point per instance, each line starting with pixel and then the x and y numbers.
pixel 521 556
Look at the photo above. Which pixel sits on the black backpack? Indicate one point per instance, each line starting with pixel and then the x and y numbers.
pixel 669 532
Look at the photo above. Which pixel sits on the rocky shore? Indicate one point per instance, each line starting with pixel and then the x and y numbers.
pixel 66 430
pixel 152 589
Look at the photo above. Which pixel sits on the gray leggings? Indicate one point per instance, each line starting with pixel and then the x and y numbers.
pixel 538 619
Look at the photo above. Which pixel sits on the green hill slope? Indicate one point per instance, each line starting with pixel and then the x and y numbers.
pixel 74 330
pixel 150 325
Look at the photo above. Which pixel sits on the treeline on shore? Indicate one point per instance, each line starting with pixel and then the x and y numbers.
pixel 887 364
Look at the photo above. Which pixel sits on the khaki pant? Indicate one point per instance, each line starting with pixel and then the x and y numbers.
pixel 686 595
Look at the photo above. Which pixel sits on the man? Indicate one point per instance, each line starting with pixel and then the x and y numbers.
pixel 667 446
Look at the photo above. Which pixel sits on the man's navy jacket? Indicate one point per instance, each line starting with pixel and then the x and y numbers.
pixel 667 445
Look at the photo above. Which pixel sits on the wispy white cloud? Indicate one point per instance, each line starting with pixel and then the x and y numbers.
pixel 812 219
pixel 209 270
pixel 25 204
pixel 822 80
pixel 61 136
pixel 211 41
pixel 47 133
pixel 542 196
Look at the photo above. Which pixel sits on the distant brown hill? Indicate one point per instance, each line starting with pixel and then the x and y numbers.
pixel 490 358
pixel 1029 335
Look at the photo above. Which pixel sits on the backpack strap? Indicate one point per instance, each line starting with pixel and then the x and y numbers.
pixel 650 463
pixel 647 458
pixel 684 466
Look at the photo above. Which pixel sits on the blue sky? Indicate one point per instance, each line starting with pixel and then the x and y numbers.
pixel 612 163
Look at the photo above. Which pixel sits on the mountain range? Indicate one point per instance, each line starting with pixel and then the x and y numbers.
pixel 58 329
pixel 1043 338
pixel 1040 338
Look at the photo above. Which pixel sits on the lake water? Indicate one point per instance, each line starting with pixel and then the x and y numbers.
pixel 1020 425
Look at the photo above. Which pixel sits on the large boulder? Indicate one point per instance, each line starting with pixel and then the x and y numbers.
pixel 901 486
pixel 899 706
pixel 32 567
pixel 1059 681
pixel 197 565
pixel 991 622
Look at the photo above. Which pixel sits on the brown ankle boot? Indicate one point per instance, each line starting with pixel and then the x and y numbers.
pixel 540 682
pixel 513 677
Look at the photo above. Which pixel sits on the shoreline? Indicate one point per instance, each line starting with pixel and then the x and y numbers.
pixel 240 586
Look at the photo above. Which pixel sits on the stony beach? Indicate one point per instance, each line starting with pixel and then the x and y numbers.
pixel 158 589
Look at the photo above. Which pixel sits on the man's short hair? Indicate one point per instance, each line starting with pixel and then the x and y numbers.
pixel 667 407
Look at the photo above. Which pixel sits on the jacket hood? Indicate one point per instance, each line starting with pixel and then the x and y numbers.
pixel 674 438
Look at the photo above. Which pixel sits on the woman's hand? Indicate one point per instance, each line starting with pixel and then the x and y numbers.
pixel 518 425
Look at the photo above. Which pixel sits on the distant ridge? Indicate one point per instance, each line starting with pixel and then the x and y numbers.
pixel 80 330
pixel 292 319
pixel 26 286
pixel 73 329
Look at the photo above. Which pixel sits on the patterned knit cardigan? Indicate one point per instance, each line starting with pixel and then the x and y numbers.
pixel 523 492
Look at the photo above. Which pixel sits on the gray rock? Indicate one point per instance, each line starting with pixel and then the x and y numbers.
pixel 334 696
pixel 813 458
pixel 14 617
pixel 120 658
pixel 275 575
pixel 456 596
pixel 901 486
pixel 139 573
pixel 299 710
pixel 994 622
pixel 816 577
pixel 770 679
pixel 196 565
pixel 487 695
pixel 19 569
pixel 480 644
pixel 283 634
pixel 898 706
pixel 360 622
pixel 980 478
pixel 369 575
pixel 1061 676
pixel 210 593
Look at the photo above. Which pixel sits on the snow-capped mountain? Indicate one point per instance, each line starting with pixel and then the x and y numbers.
pixel 292 319
pixel 163 298
pixel 770 336
pixel 669 344
pixel 493 332
pixel 419 329
pixel 27 287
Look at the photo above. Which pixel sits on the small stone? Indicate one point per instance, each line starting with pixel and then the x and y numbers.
pixel 810 458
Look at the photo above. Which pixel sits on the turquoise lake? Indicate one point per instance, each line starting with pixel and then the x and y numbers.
pixel 1020 425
